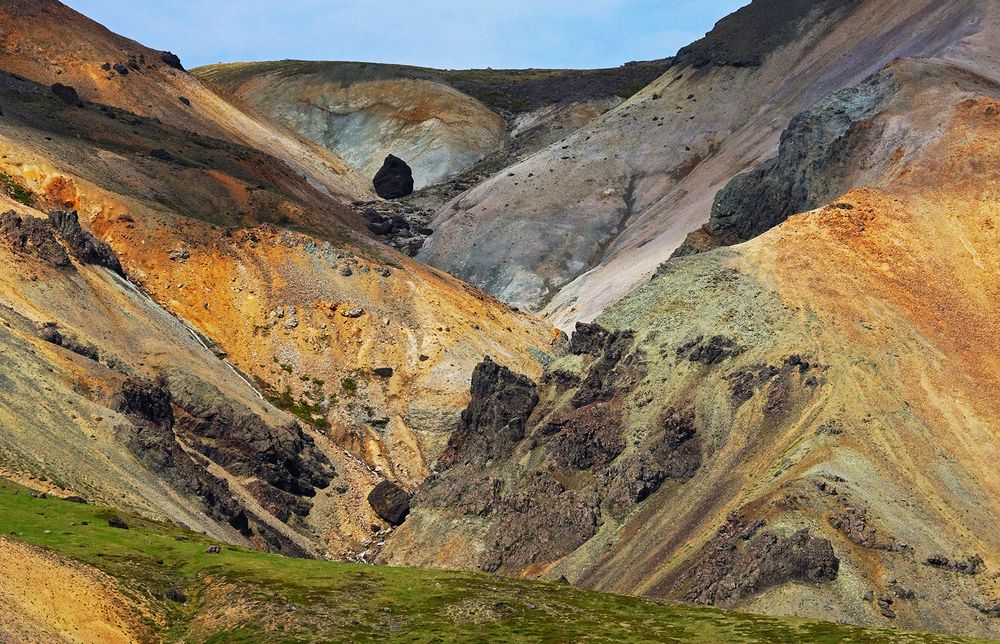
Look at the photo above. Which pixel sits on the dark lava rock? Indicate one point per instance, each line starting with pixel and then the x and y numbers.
pixel 394 179
pixel 117 522
pixel 121 69
pixel 973 565
pixel 495 419
pixel 588 339
pixel 161 155
pixel 171 59
pixel 31 235
pixel 67 95
pixel 75 499
pixel 85 247
pixel 383 372
pixel 743 559
pixel 390 502
pixel 175 595
pixel 588 437
pixel 709 352
pixel 607 376
pixel 184 100
pixel 146 399
pixel 49 332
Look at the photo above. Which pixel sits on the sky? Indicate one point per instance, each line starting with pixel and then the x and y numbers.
pixel 448 34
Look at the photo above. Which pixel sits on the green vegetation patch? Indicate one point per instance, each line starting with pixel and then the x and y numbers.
pixel 270 598
pixel 16 191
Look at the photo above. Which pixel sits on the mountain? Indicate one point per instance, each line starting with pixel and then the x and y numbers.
pixel 578 225
pixel 195 327
pixel 777 252
pixel 802 423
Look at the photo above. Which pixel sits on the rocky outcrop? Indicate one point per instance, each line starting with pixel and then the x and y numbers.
pixel 49 331
pixel 171 59
pixel 150 436
pixel 611 372
pixel 816 158
pixel 390 502
pixel 26 234
pixel 744 559
pixel 86 248
pixel 285 460
pixel 588 339
pixel 67 95
pixel 495 419
pixel 394 179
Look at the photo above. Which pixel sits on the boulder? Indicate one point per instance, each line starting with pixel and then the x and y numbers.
pixel 394 179
pixel 390 502
pixel 67 95
pixel 171 59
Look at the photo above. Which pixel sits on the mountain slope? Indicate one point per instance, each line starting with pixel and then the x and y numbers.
pixel 799 424
pixel 577 226
pixel 250 279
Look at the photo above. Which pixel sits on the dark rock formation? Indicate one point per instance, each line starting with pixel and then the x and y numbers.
pixel 284 458
pixel 540 522
pixel 588 437
pixel 605 377
pixel 171 59
pixel 67 95
pixel 746 37
pixel 31 235
pixel 150 436
pixel 86 248
pixel 495 419
pixel 390 502
pixel 394 179
pixel 858 527
pixel 711 351
pixel 743 559
pixel 383 372
pixel 121 69
pixel 49 331
pixel 816 159
pixel 588 339
pixel 972 565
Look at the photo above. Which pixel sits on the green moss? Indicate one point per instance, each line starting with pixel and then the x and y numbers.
pixel 299 600
pixel 349 385
pixel 16 191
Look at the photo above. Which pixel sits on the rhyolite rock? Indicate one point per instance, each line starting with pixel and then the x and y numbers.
pixel 394 179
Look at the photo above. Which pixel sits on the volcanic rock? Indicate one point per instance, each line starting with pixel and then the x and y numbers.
pixel 394 179
pixel 390 502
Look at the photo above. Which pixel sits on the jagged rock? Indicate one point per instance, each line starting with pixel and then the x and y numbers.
pixel 32 235
pixel 743 559
pixel 711 351
pixel 606 377
pixel 810 168
pixel 588 437
pixel 394 180
pixel 390 502
pixel 49 332
pixel 171 59
pixel 540 522
pixel 973 565
pixel 495 419
pixel 213 550
pixel 121 69
pixel 383 372
pixel 85 247
pixel 184 100
pixel 179 255
pixel 67 95
pixel 588 339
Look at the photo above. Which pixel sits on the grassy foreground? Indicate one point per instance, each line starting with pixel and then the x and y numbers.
pixel 239 595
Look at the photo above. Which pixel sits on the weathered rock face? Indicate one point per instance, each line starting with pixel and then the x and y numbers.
pixel 390 502
pixel 84 246
pixel 285 460
pixel 495 419
pixel 32 235
pixel 67 94
pixel 816 161
pixel 744 559
pixel 394 179
pixel 152 437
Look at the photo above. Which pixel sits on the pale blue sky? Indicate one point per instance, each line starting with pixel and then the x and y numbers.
pixel 433 33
